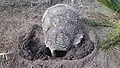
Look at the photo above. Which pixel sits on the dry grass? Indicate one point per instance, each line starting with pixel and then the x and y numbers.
pixel 4 55
pixel 113 37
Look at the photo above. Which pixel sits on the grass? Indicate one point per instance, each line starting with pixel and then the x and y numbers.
pixel 113 37
pixel 114 34
pixel 112 4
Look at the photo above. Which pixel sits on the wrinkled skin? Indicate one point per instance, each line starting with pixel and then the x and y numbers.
pixel 62 28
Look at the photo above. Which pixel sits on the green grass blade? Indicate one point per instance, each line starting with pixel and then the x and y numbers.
pixel 108 3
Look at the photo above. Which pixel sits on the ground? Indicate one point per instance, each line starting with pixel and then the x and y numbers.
pixel 17 16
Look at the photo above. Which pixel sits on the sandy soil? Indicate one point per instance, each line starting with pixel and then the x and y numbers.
pixel 17 19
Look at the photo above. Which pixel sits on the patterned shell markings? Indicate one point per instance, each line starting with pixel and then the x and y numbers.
pixel 61 27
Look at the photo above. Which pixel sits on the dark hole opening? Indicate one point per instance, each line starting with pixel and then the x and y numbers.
pixel 48 52
pixel 56 52
pixel 60 53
